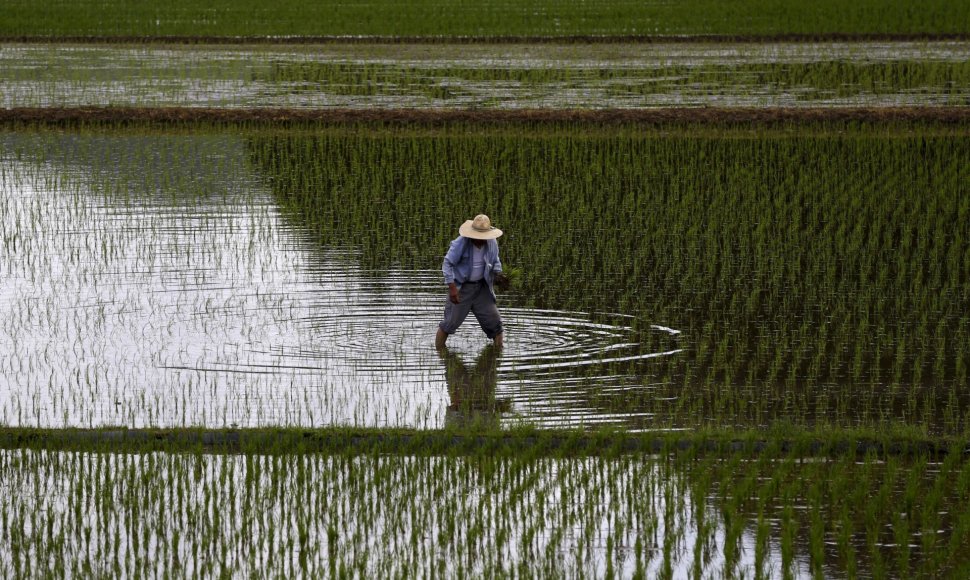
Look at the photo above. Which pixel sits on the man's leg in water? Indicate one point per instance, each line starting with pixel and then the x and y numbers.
pixel 454 314
pixel 486 312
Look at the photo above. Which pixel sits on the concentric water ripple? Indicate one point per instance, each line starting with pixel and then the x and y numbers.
pixel 376 328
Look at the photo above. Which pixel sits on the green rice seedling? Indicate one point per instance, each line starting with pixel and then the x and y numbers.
pixel 436 18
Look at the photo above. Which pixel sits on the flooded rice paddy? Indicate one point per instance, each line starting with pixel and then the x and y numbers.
pixel 217 278
pixel 161 514
pixel 675 278
pixel 257 513
pixel 152 280
pixel 489 76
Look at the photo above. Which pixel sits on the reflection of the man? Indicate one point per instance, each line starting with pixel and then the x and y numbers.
pixel 472 392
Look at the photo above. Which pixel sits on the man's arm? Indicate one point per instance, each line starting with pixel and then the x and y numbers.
pixel 452 257
pixel 448 269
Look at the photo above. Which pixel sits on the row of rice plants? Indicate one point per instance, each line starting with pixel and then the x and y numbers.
pixel 771 82
pixel 162 514
pixel 881 518
pixel 819 276
pixel 481 18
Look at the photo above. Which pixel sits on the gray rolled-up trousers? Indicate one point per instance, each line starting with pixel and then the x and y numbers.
pixel 476 297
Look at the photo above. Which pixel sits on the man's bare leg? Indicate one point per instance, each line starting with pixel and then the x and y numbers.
pixel 498 340
pixel 440 339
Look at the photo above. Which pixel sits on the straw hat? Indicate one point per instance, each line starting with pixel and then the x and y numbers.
pixel 479 228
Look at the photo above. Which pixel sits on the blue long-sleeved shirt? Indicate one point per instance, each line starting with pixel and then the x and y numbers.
pixel 457 266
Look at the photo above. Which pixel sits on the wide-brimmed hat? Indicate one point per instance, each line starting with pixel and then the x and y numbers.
pixel 479 228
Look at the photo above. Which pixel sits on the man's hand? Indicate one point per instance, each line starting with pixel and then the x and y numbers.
pixel 502 281
pixel 453 293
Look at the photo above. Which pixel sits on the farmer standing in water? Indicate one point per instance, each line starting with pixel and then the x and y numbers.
pixel 470 269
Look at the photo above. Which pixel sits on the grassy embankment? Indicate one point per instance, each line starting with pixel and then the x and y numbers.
pixel 779 441
pixel 491 18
